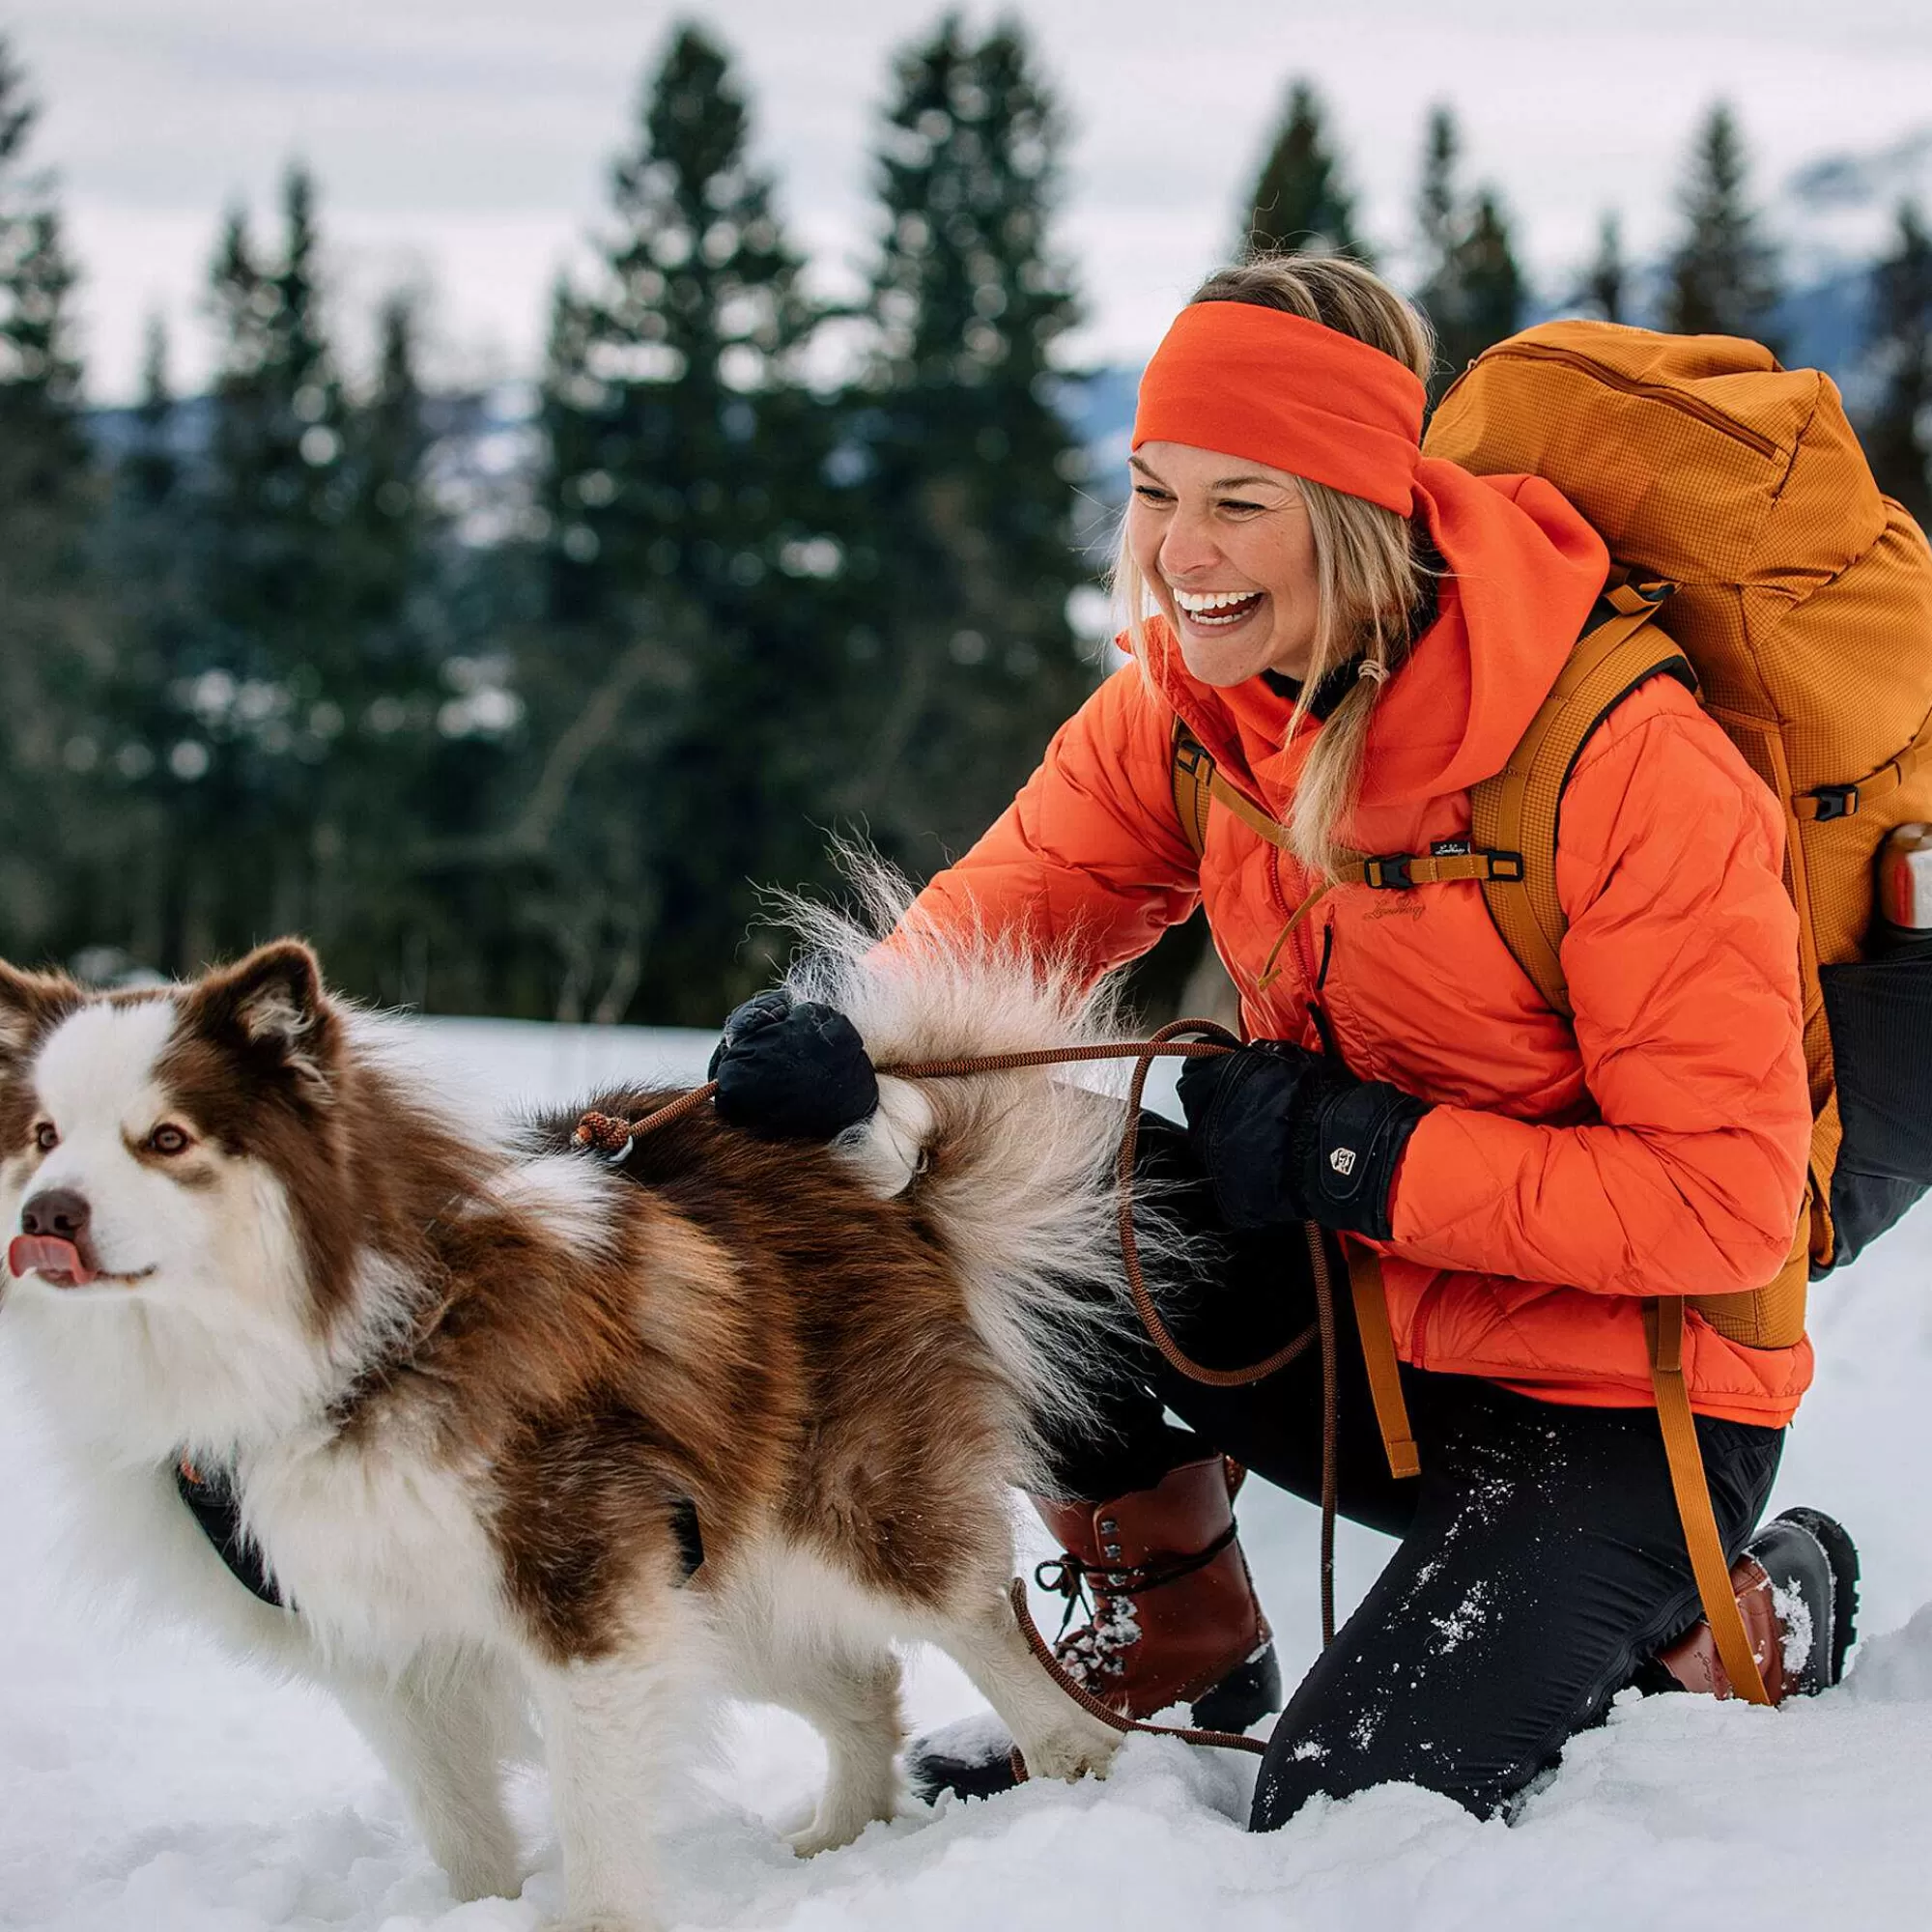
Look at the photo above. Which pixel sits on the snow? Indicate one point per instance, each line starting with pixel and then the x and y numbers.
pixel 1794 1618
pixel 148 1784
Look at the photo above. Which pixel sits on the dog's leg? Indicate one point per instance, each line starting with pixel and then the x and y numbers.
pixel 1057 1738
pixel 442 1729
pixel 608 1727
pixel 850 1695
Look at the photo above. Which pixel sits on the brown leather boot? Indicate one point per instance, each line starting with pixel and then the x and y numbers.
pixel 1797 1587
pixel 1174 1617
pixel 1174 1620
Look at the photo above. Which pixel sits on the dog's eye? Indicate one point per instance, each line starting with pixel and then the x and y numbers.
pixel 169 1139
pixel 46 1137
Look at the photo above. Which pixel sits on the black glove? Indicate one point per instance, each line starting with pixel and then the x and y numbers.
pixel 790 1070
pixel 1289 1135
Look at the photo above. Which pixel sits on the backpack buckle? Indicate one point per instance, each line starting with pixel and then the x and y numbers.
pixel 1837 802
pixel 1389 874
pixel 1506 865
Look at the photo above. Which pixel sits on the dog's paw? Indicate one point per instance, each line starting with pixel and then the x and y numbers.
pixel 810 1841
pixel 827 1835
pixel 1072 1753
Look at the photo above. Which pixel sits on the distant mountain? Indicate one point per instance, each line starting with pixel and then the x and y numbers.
pixel 1837 215
pixel 1837 186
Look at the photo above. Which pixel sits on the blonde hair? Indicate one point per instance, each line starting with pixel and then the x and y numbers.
pixel 1368 575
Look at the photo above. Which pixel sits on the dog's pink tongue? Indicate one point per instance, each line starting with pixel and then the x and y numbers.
pixel 52 1259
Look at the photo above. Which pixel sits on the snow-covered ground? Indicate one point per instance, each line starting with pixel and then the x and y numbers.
pixel 149 1785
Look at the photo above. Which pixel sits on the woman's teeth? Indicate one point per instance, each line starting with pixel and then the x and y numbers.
pixel 1216 608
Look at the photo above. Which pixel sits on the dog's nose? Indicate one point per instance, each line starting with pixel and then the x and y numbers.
pixel 60 1213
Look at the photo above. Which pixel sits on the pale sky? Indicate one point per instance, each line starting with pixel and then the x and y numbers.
pixel 463 144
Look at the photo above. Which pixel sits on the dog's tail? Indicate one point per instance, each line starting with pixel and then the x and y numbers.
pixel 1013 1172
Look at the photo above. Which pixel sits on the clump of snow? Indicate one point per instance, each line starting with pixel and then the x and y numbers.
pixel 1794 1617
pixel 1094 1650
pixel 1465 1619
pixel 148 1784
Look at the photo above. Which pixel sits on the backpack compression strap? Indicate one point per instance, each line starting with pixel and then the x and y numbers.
pixel 1198 784
pixel 1664 1321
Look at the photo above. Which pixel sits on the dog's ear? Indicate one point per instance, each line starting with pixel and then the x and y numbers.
pixel 271 1008
pixel 31 1006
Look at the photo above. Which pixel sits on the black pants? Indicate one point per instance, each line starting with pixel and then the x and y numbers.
pixel 1541 1562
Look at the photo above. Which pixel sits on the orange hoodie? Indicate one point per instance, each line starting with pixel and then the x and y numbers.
pixel 1659 1143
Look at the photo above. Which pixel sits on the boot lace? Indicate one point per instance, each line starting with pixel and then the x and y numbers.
pixel 1107 1592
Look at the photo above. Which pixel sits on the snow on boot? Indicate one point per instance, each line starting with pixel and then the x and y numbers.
pixel 1174 1621
pixel 1796 1586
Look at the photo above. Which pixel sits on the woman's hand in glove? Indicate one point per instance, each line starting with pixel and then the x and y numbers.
pixel 792 1070
pixel 1289 1135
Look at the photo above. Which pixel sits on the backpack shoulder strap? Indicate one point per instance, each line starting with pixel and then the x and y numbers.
pixel 1517 809
pixel 1193 775
pixel 1197 783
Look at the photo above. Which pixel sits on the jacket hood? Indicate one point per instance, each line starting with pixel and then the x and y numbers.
pixel 1524 570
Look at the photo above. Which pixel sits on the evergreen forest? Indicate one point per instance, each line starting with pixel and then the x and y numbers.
pixel 526 736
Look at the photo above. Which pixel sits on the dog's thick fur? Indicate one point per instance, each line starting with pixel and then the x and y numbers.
pixel 464 1380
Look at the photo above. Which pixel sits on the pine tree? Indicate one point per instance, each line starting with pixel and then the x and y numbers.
pixel 1492 284
pixel 971 494
pixel 1607 284
pixel 1299 201
pixel 152 468
pixel 144 559
pixel 275 650
pixel 53 649
pixel 1722 278
pixel 1437 201
pixel 681 490
pixel 393 775
pixel 695 336
pixel 388 525
pixel 1898 431
pixel 1472 287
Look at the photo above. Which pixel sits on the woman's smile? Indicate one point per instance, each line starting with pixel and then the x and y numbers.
pixel 1219 611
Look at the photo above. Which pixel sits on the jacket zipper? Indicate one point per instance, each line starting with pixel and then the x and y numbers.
pixel 1316 1011
pixel 1313 976
pixel 1690 406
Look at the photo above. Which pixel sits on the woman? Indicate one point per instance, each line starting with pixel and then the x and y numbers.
pixel 1358 635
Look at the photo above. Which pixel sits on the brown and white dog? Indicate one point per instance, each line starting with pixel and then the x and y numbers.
pixel 466 1382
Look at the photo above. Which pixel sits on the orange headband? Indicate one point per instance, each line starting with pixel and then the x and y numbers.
pixel 1278 390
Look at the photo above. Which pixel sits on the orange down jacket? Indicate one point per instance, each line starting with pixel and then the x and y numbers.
pixel 1657 1142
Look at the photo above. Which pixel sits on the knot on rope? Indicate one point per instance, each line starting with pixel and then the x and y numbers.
pixel 604 1132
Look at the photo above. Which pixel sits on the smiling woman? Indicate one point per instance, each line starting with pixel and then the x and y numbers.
pixel 1358 635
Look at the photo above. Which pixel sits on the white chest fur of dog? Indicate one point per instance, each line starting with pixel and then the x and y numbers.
pixel 470 1392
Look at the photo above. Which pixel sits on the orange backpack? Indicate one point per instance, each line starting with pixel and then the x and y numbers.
pixel 1800 603
pixel 1803 599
